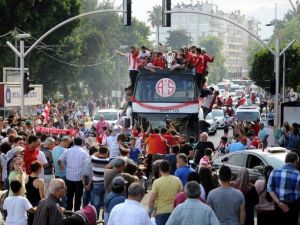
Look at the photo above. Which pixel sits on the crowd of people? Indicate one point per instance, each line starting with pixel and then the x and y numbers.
pixel 148 59
pixel 43 169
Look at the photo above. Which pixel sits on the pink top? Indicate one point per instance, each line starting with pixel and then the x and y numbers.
pixel 100 125
pixel 205 162
pixel 263 204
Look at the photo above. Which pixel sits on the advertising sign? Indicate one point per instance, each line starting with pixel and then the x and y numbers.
pixel 12 95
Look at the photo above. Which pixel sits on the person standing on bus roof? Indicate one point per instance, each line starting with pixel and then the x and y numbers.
pixel 132 64
pixel 200 77
pixel 206 58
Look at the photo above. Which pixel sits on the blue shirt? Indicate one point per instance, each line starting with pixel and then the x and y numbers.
pixel 56 153
pixel 237 146
pixel 171 158
pixel 182 173
pixel 285 182
pixel 134 154
pixel 293 141
pixel 112 200
pixel 262 134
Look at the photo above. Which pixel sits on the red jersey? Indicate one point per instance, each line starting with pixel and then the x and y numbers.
pixel 199 65
pixel 229 101
pixel 159 62
pixel 191 59
pixel 206 59
pixel 169 138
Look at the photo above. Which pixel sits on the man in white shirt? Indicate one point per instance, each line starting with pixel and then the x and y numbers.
pixel 132 57
pixel 74 158
pixel 131 212
pixel 144 53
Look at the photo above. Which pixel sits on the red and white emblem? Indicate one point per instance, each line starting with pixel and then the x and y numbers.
pixel 165 87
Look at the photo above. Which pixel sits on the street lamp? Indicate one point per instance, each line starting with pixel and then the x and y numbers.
pixel 21 56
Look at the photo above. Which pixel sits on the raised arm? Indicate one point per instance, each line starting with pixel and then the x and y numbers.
pixel 120 53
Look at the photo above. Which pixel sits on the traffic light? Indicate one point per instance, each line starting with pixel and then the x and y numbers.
pixel 127 13
pixel 26 84
pixel 270 86
pixel 166 17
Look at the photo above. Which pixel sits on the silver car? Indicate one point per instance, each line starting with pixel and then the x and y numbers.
pixel 254 160
pixel 212 122
pixel 219 115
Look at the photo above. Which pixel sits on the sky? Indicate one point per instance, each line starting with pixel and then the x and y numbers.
pixel 263 10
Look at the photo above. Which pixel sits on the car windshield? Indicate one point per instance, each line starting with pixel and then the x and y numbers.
pixel 247 116
pixel 218 113
pixel 106 115
pixel 152 88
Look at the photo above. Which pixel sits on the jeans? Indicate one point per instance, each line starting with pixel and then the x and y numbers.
pixel 98 192
pixel 64 198
pixel 162 218
pixel 86 198
pixel 74 188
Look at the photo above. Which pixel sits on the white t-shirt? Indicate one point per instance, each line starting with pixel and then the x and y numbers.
pixel 114 149
pixel 144 54
pixel 16 207
pixel 42 159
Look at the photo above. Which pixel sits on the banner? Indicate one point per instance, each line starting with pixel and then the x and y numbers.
pixel 162 108
pixel 57 131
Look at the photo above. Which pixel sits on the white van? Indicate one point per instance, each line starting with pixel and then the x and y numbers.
pixel 248 113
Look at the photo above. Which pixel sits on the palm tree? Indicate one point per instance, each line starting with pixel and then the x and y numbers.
pixel 155 18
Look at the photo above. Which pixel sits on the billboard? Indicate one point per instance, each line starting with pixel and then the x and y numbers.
pixel 12 95
pixel 12 75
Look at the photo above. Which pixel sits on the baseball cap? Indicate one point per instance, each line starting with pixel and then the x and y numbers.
pixel 118 182
pixel 118 162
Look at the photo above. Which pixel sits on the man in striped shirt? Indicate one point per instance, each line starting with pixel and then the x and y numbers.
pixel 99 162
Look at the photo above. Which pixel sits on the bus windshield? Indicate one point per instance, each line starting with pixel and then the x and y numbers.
pixel 169 88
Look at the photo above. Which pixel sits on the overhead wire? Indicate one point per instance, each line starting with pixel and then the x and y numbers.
pixel 73 64
pixel 1 36
pixel 64 62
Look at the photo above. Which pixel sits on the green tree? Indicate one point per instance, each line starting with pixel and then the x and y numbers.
pixel 178 39
pixel 213 46
pixel 35 18
pixel 155 18
pixel 263 67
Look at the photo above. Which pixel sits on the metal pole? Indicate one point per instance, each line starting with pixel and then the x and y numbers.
pixel 283 79
pixel 22 75
pixel 277 55
pixel 119 72
pixel 16 56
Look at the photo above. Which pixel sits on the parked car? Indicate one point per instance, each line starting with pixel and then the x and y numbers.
pixel 110 115
pixel 254 160
pixel 219 115
pixel 212 122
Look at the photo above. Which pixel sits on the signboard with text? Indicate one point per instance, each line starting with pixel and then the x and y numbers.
pixel 12 75
pixel 12 95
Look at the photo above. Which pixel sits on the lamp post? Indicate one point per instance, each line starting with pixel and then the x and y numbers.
pixel 20 54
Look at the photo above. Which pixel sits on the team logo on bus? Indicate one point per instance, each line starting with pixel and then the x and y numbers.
pixel 165 87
